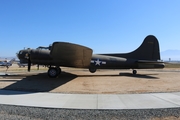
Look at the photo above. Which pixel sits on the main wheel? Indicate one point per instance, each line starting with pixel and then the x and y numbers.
pixel 52 72
pixel 134 72
pixel 92 70
pixel 58 70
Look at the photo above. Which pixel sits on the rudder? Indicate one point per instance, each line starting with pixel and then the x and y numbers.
pixel 148 50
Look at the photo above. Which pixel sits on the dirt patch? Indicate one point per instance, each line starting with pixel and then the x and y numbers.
pixel 102 82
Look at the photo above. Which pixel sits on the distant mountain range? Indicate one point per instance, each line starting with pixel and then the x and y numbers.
pixel 172 55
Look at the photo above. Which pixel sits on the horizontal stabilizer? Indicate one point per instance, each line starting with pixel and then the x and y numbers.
pixel 143 64
pixel 71 55
pixel 148 61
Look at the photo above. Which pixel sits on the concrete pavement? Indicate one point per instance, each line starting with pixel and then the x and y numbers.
pixel 90 101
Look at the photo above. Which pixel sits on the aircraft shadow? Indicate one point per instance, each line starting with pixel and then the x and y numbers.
pixel 38 83
pixel 42 83
pixel 146 76
pixel 97 75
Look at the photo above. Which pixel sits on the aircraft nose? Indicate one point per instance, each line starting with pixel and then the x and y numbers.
pixel 22 54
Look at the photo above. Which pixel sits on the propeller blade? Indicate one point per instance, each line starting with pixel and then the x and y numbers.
pixel 38 67
pixel 29 64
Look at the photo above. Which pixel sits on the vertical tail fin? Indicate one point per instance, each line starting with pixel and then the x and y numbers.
pixel 148 50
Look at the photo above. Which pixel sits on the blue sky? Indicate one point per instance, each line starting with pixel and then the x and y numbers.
pixel 106 26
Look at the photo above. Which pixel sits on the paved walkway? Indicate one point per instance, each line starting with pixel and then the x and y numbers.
pixel 91 101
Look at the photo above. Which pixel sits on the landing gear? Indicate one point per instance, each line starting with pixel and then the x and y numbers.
pixel 58 70
pixel 53 72
pixel 134 72
pixel 92 70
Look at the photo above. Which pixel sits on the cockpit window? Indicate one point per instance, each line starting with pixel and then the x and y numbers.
pixel 47 48
pixel 20 52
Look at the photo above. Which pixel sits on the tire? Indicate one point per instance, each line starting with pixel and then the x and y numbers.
pixel 92 70
pixel 134 72
pixel 58 70
pixel 52 72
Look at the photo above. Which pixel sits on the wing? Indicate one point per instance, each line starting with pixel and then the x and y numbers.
pixel 71 55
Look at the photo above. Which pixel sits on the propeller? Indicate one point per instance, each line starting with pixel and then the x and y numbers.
pixel 38 67
pixel 29 64
pixel 28 56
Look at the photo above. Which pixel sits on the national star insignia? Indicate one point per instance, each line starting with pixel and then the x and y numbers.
pixel 98 62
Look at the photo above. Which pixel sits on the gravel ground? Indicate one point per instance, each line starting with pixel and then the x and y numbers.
pixel 8 112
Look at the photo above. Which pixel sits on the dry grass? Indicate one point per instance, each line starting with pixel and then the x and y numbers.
pixel 172 65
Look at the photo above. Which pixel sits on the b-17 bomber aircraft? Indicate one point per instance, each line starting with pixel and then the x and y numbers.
pixel 147 56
